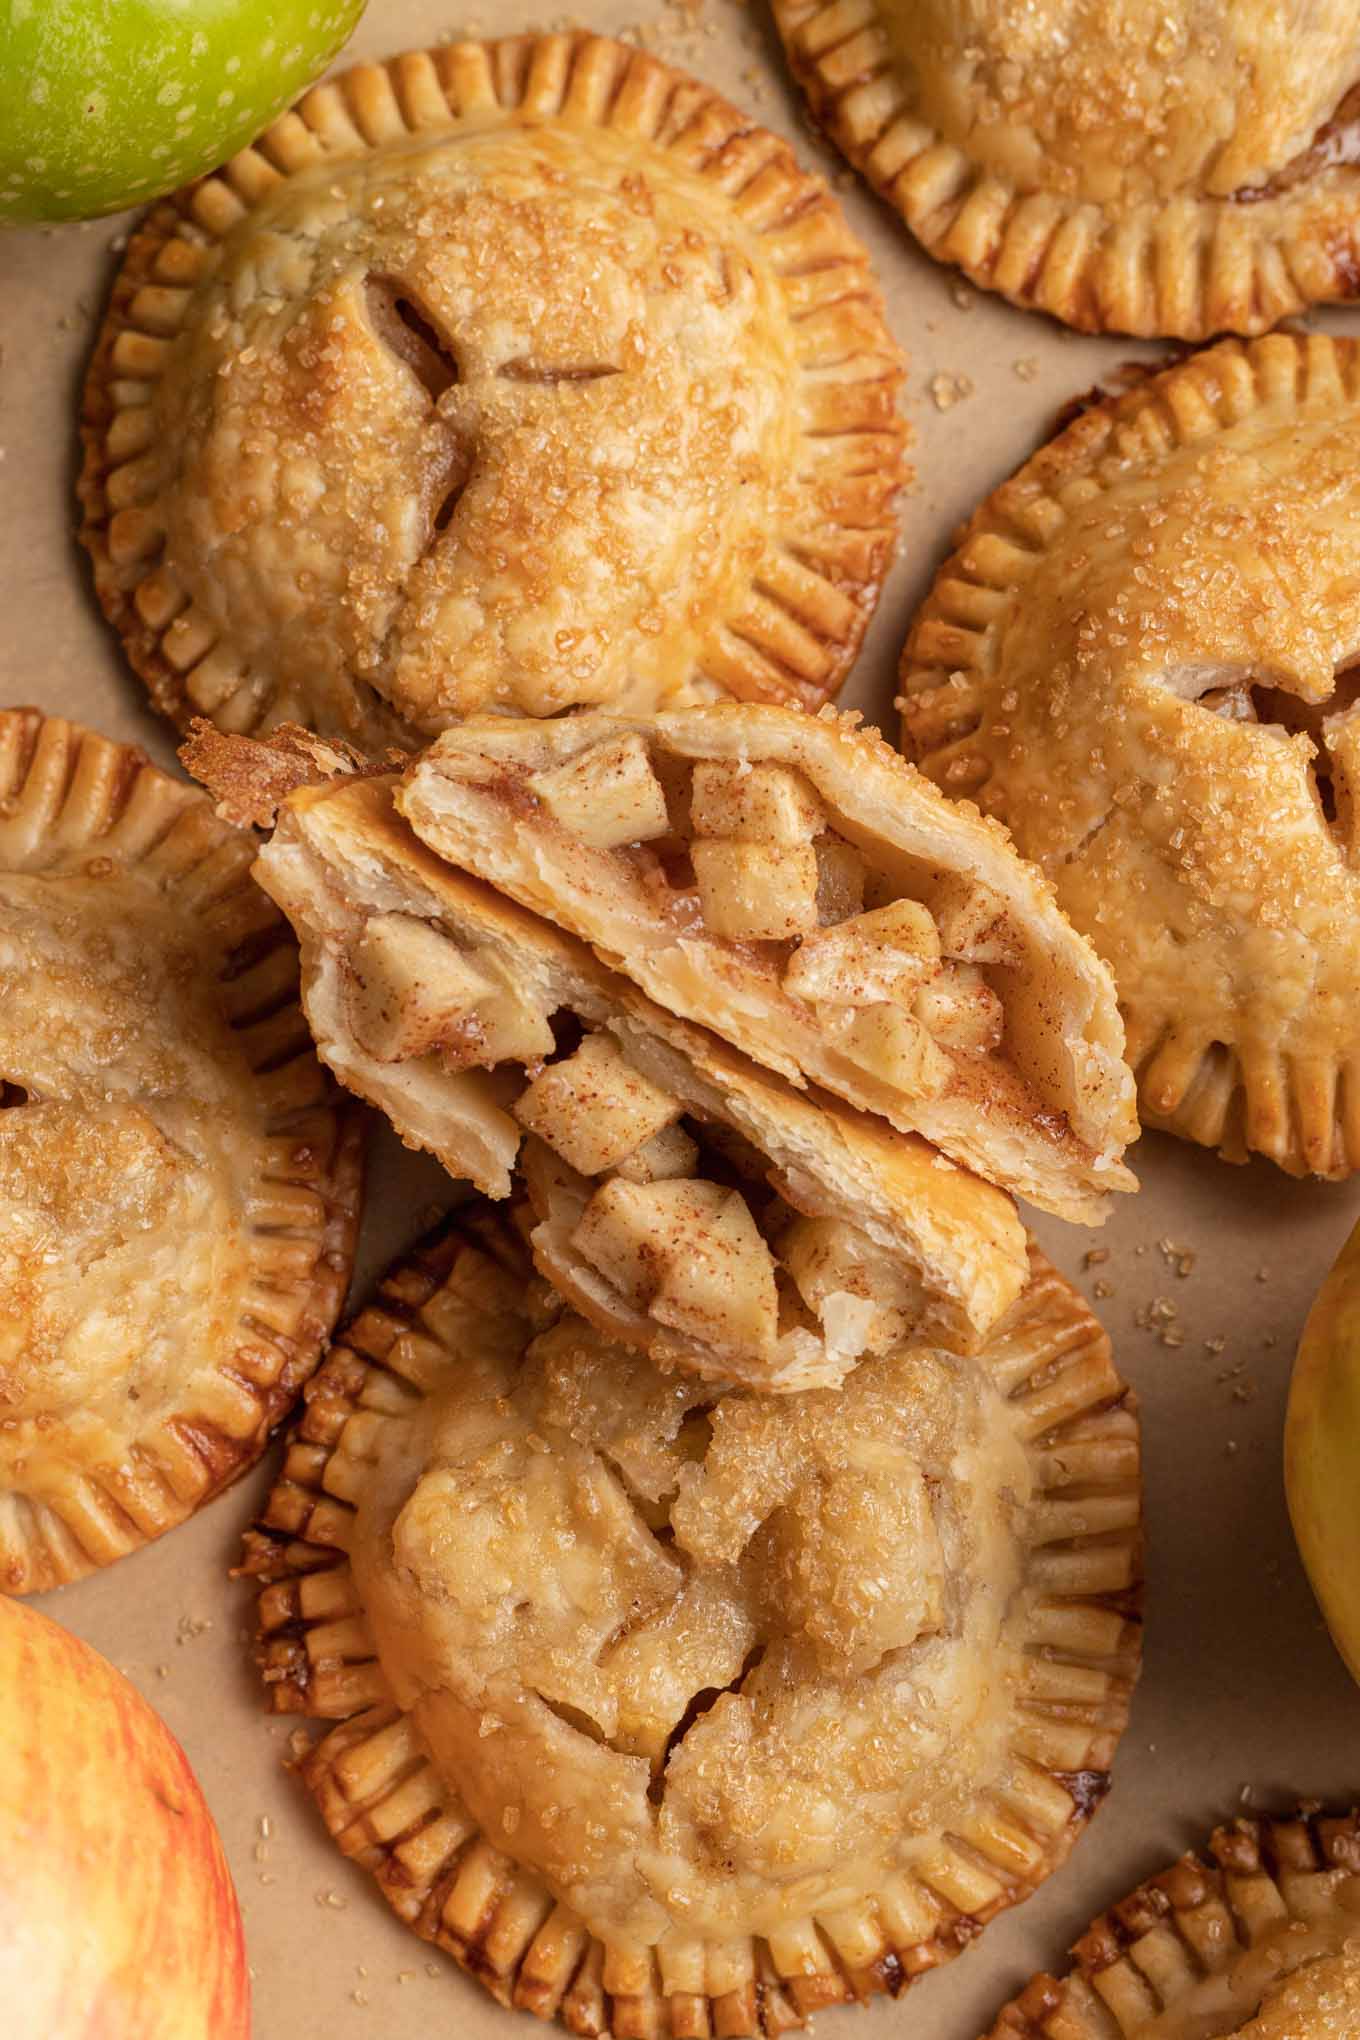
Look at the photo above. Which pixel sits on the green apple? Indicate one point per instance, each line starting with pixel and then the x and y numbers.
pixel 104 103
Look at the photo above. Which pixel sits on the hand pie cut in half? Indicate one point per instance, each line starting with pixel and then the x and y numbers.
pixel 673 1710
pixel 1143 660
pixel 790 882
pixel 1182 170
pixel 509 375
pixel 178 1182
pixel 1258 1939
pixel 687 1202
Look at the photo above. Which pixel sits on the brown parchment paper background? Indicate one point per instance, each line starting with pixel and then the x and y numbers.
pixel 1243 1703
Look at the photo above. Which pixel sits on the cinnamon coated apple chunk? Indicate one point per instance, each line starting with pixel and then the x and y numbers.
pixel 793 884
pixel 693 1205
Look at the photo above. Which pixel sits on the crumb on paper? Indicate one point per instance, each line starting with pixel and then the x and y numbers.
pixel 964 296
pixel 1216 1344
pixel 1102 1289
pixel 1095 1257
pixel 948 390
pixel 1027 367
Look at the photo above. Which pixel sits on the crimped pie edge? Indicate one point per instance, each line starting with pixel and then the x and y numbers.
pixel 1218 1902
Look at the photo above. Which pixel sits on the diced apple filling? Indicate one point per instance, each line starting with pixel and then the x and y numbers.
pixel 884 954
pixel 862 1297
pixel 408 988
pixel 840 880
pixel 973 922
pixel 753 803
pixel 897 1048
pixel 668 1153
pixel 608 796
pixel 756 892
pixel 689 1254
pixel 594 1108
pixel 960 1009
pixel 505 1028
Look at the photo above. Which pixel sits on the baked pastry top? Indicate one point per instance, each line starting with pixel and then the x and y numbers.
pixel 791 883
pixel 506 376
pixel 680 1712
pixel 1152 169
pixel 1257 1939
pixel 687 1202
pixel 1139 661
pixel 178 1189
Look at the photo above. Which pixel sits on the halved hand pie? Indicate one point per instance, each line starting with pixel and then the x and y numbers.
pixel 1259 1939
pixel 1142 660
pixel 1154 168
pixel 791 883
pixel 687 1202
pixel 507 375
pixel 673 1711
pixel 178 1189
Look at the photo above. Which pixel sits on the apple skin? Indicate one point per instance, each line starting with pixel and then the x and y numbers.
pixel 118 1920
pixel 105 103
pixel 1322 1451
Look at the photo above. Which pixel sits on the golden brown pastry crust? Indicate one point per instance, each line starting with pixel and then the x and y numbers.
pixel 1257 1939
pixel 1047 1379
pixel 1043 1106
pixel 1195 537
pixel 1160 171
pixel 943 1253
pixel 178 1185
pixel 505 375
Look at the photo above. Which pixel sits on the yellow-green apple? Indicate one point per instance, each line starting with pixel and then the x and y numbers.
pixel 1322 1450
pixel 104 103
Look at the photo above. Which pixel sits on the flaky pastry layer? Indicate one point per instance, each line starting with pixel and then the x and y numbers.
pixel 687 1202
pixel 790 882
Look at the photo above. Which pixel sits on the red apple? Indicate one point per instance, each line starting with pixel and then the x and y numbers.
pixel 118 1920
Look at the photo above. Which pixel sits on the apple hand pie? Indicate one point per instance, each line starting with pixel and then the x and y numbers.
pixel 178 1188
pixel 789 882
pixel 669 1710
pixel 510 375
pixel 686 1202
pixel 1154 168
pixel 1140 660
pixel 1259 1939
